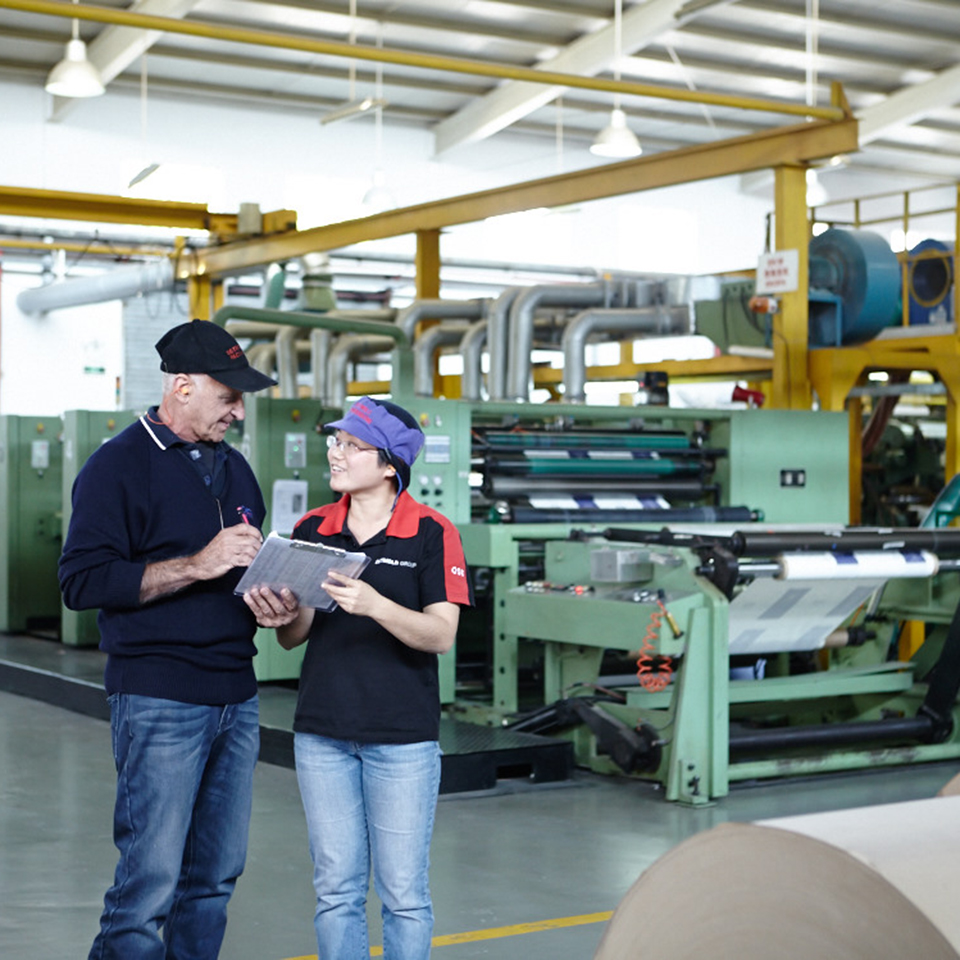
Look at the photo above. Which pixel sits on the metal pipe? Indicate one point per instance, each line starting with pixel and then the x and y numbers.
pixel 115 285
pixel 461 65
pixel 424 348
pixel 658 321
pixel 471 352
pixel 409 317
pixel 287 365
pixel 346 349
pixel 261 323
pixel 274 284
pixel 320 343
pixel 263 357
pixel 521 324
pixel 497 336
pixel 340 321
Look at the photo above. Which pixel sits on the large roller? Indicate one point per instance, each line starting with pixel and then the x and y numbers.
pixel 875 882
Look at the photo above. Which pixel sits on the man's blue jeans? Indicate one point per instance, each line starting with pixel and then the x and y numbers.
pixel 370 802
pixel 184 793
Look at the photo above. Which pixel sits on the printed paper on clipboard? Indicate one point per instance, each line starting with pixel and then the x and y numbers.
pixel 302 567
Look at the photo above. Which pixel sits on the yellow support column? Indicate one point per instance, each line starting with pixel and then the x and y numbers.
pixel 791 382
pixel 956 250
pixel 205 295
pixel 428 264
pixel 855 479
pixel 951 460
pixel 912 635
pixel 199 296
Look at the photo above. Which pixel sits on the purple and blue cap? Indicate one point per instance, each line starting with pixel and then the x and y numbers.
pixel 387 427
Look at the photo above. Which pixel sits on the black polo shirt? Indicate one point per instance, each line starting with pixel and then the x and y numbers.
pixel 358 681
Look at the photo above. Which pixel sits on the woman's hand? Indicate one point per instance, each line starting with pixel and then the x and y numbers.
pixel 270 609
pixel 353 596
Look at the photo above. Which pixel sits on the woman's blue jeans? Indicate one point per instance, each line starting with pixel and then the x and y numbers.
pixel 184 791
pixel 370 803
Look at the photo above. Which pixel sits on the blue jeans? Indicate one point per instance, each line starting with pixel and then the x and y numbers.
pixel 184 792
pixel 370 802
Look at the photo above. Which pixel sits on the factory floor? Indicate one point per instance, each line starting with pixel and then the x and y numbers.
pixel 520 870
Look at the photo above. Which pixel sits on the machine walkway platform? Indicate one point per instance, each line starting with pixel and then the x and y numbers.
pixel 474 757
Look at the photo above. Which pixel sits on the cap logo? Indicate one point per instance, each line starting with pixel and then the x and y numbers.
pixel 235 352
pixel 362 412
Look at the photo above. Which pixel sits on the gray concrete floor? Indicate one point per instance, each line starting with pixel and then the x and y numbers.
pixel 509 858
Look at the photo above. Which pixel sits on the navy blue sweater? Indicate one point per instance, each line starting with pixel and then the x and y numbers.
pixel 139 499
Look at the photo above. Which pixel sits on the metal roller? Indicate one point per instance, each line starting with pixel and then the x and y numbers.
pixel 583 439
pixel 601 468
pixel 510 488
pixel 526 514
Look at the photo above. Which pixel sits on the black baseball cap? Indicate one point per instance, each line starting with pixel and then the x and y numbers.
pixel 202 346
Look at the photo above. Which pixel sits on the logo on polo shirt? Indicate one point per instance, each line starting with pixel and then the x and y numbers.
pixel 395 563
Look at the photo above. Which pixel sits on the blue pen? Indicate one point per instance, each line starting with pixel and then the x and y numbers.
pixel 246 514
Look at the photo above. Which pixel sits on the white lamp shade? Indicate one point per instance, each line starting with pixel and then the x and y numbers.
pixel 379 197
pixel 616 139
pixel 74 75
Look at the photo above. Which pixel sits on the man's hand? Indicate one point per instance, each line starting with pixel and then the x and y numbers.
pixel 234 546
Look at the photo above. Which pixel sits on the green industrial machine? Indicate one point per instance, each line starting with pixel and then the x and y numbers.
pixel 83 432
pixel 513 475
pixel 283 442
pixel 729 322
pixel 722 684
pixel 30 471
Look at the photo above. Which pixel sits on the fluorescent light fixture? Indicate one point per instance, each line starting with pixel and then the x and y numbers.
pixel 350 110
pixel 143 174
pixel 75 75
pixel 616 139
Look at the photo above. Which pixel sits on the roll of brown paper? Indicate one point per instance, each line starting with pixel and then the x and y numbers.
pixel 873 883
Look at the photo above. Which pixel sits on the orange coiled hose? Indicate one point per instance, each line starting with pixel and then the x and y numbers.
pixel 651 680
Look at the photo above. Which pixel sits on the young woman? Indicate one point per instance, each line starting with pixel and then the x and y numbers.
pixel 368 712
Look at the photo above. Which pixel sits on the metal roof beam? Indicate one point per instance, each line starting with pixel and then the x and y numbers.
pixel 587 56
pixel 910 104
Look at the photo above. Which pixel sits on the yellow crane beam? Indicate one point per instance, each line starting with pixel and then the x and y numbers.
pixel 425 61
pixel 783 145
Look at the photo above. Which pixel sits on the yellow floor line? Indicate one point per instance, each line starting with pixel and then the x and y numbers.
pixel 495 933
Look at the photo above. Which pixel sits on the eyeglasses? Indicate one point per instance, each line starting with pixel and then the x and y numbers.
pixel 347 447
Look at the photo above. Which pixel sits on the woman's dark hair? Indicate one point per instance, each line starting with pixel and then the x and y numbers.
pixel 402 467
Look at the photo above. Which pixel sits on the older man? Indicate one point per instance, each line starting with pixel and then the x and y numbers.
pixel 165 516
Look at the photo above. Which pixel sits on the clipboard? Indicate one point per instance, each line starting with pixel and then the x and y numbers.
pixel 302 567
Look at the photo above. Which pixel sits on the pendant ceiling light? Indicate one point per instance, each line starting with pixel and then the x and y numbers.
pixel 616 139
pixel 75 75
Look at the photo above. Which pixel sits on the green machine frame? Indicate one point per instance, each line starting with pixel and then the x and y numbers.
pixel 283 442
pixel 83 432
pixel 31 464
pixel 690 729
